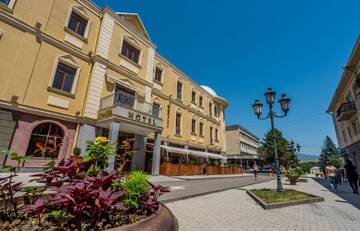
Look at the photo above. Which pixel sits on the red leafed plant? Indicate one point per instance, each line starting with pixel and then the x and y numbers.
pixel 149 200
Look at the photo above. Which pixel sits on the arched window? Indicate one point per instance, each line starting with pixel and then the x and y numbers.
pixel 45 141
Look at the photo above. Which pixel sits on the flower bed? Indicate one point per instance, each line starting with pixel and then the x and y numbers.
pixel 83 196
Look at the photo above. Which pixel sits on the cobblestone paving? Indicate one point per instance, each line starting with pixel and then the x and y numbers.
pixel 234 210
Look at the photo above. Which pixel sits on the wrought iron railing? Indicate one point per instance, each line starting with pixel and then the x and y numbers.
pixel 124 99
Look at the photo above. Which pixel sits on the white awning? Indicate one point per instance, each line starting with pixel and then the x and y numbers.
pixel 193 152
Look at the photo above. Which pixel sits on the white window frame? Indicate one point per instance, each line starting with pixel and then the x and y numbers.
pixel 178 111
pixel 193 118
pixel 133 43
pixel 10 5
pixel 162 74
pixel 69 61
pixel 81 12
pixel 182 89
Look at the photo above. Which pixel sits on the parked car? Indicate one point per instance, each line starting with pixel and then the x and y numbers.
pixel 266 170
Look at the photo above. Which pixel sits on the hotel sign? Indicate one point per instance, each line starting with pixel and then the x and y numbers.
pixel 133 115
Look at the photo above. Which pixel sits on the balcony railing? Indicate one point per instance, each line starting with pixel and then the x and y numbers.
pixel 346 111
pixel 123 99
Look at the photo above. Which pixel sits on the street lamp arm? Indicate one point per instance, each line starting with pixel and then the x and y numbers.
pixel 281 116
pixel 264 118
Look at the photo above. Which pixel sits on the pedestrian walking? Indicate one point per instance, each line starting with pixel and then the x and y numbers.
pixel 205 164
pixel 352 176
pixel 330 173
pixel 343 176
pixel 255 170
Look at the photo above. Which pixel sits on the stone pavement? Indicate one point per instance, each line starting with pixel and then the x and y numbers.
pixel 234 210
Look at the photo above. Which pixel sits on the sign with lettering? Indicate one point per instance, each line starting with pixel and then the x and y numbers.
pixel 141 118
pixel 105 114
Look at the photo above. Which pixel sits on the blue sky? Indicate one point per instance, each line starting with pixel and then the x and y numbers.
pixel 240 48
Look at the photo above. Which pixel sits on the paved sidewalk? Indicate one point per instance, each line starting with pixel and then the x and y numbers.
pixel 234 210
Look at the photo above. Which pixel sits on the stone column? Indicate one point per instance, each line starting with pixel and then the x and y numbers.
pixel 138 159
pixel 113 137
pixel 155 169
pixel 86 132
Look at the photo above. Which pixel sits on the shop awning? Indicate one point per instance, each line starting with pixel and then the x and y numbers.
pixel 193 152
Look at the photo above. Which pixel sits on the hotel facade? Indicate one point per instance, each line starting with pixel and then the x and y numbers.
pixel 71 71
pixel 344 108
pixel 242 146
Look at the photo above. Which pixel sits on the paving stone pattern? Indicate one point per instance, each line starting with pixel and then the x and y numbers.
pixel 235 210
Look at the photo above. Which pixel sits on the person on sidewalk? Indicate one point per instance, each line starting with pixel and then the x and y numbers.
pixel 352 176
pixel 255 170
pixel 330 173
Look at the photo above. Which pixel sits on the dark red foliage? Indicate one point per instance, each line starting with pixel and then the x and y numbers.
pixel 37 208
pixel 149 200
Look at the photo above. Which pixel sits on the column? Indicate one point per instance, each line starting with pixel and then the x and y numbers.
pixel 113 137
pixel 155 169
pixel 86 132
pixel 138 158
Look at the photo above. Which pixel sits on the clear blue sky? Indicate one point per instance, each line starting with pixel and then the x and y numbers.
pixel 239 48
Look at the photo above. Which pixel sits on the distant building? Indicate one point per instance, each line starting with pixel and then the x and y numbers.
pixel 344 105
pixel 241 146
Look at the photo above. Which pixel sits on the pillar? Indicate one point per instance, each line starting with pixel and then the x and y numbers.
pixel 86 132
pixel 113 138
pixel 155 169
pixel 138 158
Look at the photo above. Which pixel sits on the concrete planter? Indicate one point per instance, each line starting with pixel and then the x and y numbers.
pixel 284 204
pixel 292 179
pixel 162 220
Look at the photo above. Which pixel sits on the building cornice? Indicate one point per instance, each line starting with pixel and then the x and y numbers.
pixel 353 61
pixel 91 6
pixel 43 36
pixel 176 69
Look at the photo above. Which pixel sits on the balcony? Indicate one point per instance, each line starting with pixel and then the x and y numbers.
pixel 346 111
pixel 122 104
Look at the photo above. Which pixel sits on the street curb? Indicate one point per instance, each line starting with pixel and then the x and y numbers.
pixel 209 192
pixel 284 204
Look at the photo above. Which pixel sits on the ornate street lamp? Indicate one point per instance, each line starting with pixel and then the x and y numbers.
pixel 257 107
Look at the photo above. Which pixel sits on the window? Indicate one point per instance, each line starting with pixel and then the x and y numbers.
pixel 216 111
pixel 201 129
pixel 178 123
pixel 130 51
pixel 6 2
pixel 216 135
pixel 344 136
pixel 45 141
pixel 158 74
pixel 211 135
pixel 179 90
pixel 201 101
pixel 77 24
pixel 193 96
pixel 64 77
pixel 156 109
pixel 193 126
pixel 349 131
pixel 355 128
pixel 210 109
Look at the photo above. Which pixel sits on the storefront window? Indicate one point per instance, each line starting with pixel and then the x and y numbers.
pixel 45 141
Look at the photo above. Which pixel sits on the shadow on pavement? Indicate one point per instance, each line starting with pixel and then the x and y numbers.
pixel 344 191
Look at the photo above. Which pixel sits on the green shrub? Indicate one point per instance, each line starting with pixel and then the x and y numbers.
pixel 134 184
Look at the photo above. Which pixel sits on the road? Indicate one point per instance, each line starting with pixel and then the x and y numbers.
pixel 183 189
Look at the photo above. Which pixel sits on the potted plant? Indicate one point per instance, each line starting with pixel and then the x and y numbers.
pixel 293 175
pixel 84 197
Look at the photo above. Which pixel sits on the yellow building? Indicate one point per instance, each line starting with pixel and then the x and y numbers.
pixel 46 49
pixel 72 71
pixel 344 108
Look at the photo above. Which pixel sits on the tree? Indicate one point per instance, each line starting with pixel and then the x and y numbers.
pixel 329 154
pixel 287 155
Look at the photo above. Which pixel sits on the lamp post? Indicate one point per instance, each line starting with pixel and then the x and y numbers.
pixel 284 103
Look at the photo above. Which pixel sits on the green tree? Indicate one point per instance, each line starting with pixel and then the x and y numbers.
pixel 329 154
pixel 287 155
